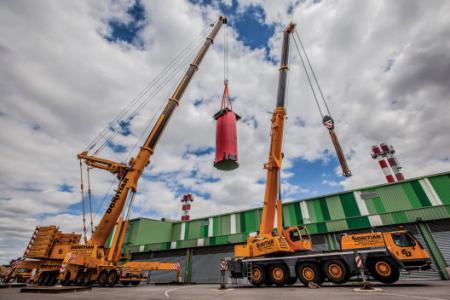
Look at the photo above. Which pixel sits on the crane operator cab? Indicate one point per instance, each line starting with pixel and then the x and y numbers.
pixel 298 238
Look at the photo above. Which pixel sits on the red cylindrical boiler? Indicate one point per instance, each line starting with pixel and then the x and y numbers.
pixel 226 135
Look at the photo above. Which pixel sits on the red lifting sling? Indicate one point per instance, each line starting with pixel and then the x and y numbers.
pixel 226 135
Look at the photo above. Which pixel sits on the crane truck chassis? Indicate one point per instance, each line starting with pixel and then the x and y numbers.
pixel 383 256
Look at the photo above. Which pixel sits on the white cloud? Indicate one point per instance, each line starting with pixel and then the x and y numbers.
pixel 60 74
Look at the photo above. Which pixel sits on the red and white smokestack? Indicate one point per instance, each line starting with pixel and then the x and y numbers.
pixel 378 155
pixel 388 152
pixel 186 207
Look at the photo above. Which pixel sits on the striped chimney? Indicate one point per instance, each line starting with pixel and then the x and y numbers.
pixel 186 206
pixel 378 155
pixel 388 152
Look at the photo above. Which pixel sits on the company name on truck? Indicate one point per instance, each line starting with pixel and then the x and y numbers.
pixel 265 244
pixel 366 238
pixel 117 195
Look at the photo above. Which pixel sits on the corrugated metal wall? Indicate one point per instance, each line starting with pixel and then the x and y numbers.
pixel 426 198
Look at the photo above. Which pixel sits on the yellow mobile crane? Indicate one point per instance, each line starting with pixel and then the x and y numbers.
pixel 60 256
pixel 281 256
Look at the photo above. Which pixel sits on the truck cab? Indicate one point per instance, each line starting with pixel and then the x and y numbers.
pixel 298 238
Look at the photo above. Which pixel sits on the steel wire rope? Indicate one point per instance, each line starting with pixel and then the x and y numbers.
pixel 313 73
pixel 178 70
pixel 155 92
pixel 309 79
pixel 159 77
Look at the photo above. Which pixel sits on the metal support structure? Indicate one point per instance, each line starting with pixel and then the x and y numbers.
pixel 378 155
pixel 188 266
pixel 434 249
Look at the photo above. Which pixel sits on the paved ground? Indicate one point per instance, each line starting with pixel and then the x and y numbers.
pixel 414 290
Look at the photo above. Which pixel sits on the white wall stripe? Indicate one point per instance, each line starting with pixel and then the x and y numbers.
pixel 200 242
pixel 141 248
pixel 173 245
pixel 233 224
pixel 210 227
pixel 430 192
pixel 361 203
pixel 375 221
pixel 305 212
pixel 183 230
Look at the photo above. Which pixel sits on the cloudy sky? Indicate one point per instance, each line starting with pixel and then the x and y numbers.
pixel 69 67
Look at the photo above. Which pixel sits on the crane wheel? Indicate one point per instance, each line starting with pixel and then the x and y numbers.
pixel 125 282
pixel 135 282
pixel 112 278
pixel 309 272
pixel 79 279
pixel 53 278
pixel 257 275
pixel 336 271
pixel 42 280
pixel 66 280
pixel 103 278
pixel 383 270
pixel 87 278
pixel 278 274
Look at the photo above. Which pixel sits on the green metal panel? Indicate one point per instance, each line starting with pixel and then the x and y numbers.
pixel 339 225
pixel 238 223
pixel 317 228
pixel 420 193
pixel 187 244
pixel 441 185
pixel 335 208
pixel 394 198
pixel 349 204
pixel 374 205
pixel 318 214
pixel 358 222
pixel 225 226
pixel 237 238
pixel 324 209
pixel 216 225
pixel 176 231
pixel 411 194
pixel 153 231
pixel 427 214
pixel 286 216
pixel 249 221
pixel 387 219
pixel 194 229
pixel 399 217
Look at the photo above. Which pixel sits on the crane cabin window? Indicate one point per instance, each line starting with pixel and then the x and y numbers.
pixel 403 240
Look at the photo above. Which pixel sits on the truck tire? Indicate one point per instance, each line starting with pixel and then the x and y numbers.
pixel 66 280
pixel 257 275
pixel 103 278
pixel 112 278
pixel 42 280
pixel 135 282
pixel 383 270
pixel 336 271
pixel 309 272
pixel 79 279
pixel 278 274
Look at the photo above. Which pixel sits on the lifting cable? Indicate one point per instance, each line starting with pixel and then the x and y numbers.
pixel 90 197
pixel 157 87
pixel 327 120
pixel 114 125
pixel 82 201
pixel 176 66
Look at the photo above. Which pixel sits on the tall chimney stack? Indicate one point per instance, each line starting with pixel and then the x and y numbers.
pixel 186 206
pixel 378 155
pixel 388 152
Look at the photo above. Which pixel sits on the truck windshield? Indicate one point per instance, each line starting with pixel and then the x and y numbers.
pixel 294 235
pixel 403 240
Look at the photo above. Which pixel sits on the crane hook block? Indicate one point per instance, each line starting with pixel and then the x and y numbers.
pixel 226 135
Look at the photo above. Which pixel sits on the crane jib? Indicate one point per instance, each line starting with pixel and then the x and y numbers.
pixel 122 186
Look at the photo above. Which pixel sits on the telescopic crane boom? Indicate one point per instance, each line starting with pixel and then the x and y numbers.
pixel 267 241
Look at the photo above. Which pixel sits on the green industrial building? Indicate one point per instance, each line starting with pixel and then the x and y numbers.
pixel 421 205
